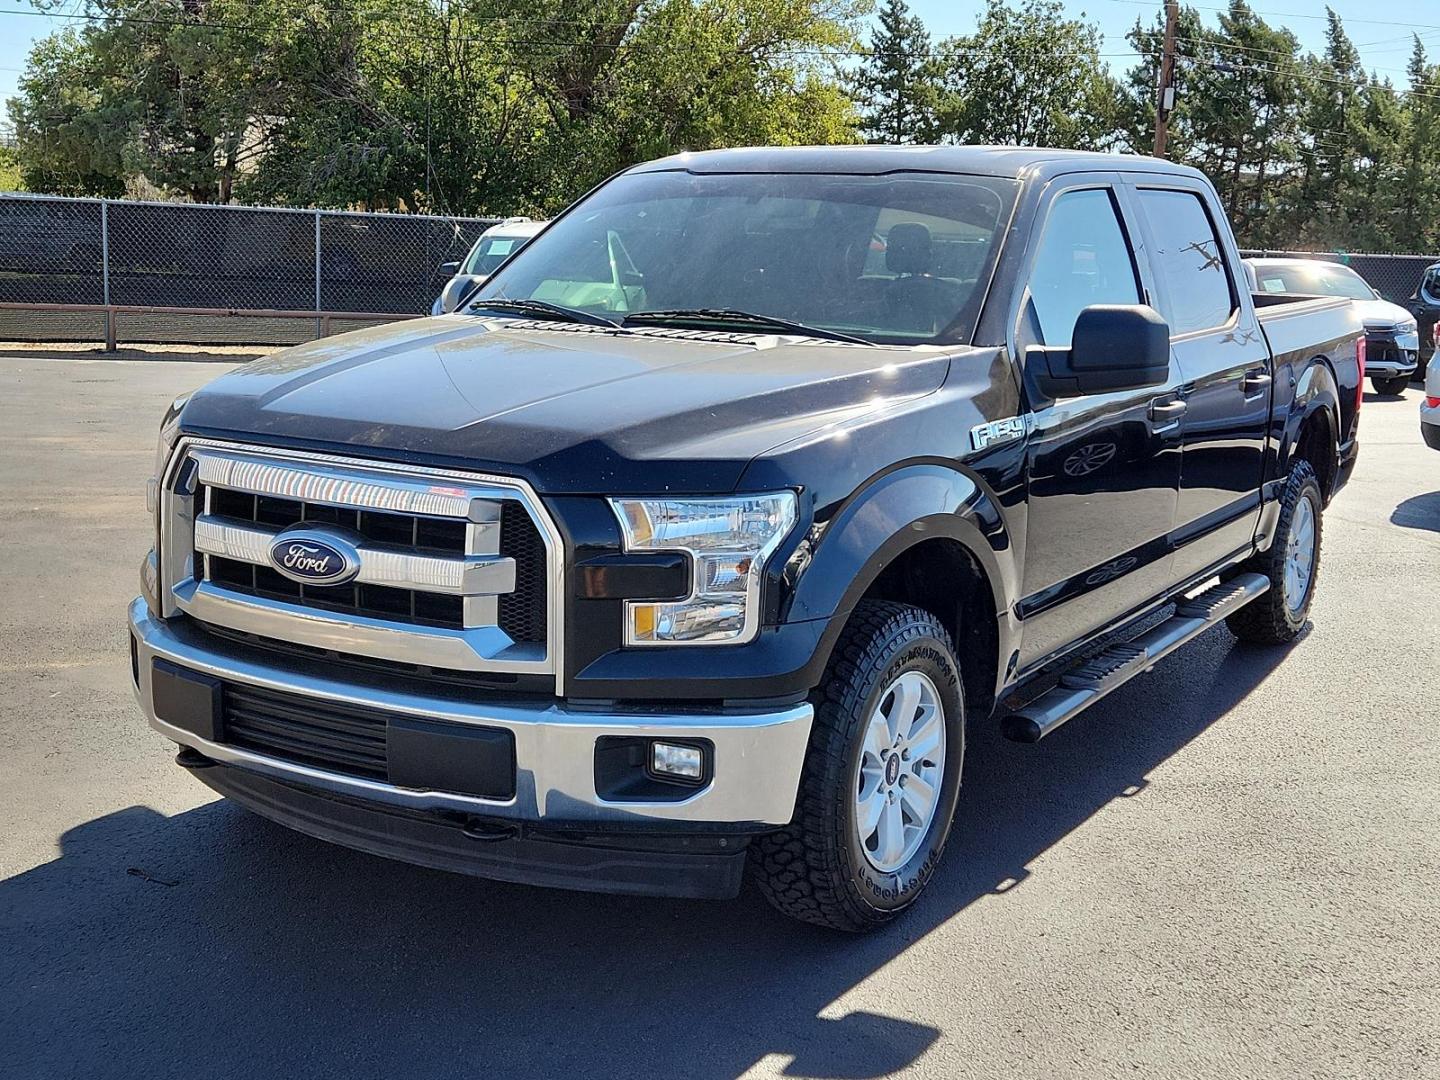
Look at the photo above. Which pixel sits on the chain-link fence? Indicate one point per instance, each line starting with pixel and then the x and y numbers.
pixel 210 274
pixel 113 270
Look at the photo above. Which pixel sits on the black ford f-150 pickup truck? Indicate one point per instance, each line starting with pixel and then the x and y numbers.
pixel 699 536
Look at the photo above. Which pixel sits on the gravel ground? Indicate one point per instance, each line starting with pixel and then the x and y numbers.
pixel 1229 868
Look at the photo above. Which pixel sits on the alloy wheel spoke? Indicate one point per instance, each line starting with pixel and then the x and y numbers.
pixel 925 736
pixel 870 812
pixel 892 833
pixel 877 736
pixel 902 708
pixel 919 795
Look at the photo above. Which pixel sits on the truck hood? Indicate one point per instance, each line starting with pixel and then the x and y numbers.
pixel 571 409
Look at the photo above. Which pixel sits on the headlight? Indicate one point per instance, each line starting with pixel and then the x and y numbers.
pixel 728 541
pixel 1407 327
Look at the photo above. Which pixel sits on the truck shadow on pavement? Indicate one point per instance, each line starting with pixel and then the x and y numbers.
pixel 214 943
pixel 1418 512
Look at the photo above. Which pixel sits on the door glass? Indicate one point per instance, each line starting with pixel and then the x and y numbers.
pixel 1083 259
pixel 1189 260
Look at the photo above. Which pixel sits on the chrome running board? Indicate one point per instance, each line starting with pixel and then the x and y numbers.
pixel 1085 684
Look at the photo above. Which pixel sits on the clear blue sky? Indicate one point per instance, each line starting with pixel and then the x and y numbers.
pixel 1380 27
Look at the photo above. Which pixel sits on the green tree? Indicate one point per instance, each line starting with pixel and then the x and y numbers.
pixel 11 178
pixel 897 86
pixel 1028 76
pixel 1417 225
pixel 489 105
pixel 1238 109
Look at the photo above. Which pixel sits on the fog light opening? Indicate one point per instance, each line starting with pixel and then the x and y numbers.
pixel 677 761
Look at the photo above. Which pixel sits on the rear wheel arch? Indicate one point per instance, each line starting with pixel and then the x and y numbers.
pixel 1312 434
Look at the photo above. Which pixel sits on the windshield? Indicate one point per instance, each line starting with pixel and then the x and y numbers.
pixel 898 258
pixel 1324 279
pixel 490 252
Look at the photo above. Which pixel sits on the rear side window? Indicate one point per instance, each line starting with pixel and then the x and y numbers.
pixel 1189 259
pixel 1083 259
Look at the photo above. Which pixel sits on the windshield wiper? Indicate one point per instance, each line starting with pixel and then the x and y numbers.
pixel 545 309
pixel 734 315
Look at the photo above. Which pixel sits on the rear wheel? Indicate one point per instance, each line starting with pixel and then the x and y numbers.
pixel 1390 387
pixel 1291 564
pixel 881 777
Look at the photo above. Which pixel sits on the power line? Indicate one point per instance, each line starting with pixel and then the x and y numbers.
pixel 1292 15
pixel 829 51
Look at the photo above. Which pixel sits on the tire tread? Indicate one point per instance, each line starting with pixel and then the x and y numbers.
pixel 802 869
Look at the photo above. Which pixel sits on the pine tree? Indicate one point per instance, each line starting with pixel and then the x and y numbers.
pixel 897 86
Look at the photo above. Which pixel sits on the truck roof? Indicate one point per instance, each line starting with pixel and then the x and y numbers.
pixel 1004 161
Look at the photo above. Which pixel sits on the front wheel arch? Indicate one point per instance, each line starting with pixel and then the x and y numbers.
pixel 924 519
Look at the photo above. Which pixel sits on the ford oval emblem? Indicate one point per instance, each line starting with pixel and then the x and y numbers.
pixel 315 556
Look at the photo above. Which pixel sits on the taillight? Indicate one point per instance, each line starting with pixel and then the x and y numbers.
pixel 1360 360
pixel 1432 402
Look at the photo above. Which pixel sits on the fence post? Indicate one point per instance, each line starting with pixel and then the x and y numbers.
pixel 318 327
pixel 105 274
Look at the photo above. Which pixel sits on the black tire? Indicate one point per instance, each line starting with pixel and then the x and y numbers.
pixel 1390 387
pixel 1272 619
pixel 815 869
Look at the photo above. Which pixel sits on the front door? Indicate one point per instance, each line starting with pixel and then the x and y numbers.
pixel 1103 469
pixel 1224 363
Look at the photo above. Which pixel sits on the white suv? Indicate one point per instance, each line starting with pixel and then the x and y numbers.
pixel 496 244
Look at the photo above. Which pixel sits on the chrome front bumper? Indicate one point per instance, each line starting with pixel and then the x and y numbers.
pixel 754 780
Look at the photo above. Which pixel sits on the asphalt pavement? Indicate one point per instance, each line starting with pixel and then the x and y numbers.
pixel 1229 868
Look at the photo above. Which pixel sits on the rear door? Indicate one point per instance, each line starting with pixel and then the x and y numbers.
pixel 1224 366
pixel 1103 469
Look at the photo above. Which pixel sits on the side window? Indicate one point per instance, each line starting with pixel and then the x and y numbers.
pixel 1083 259
pixel 1190 261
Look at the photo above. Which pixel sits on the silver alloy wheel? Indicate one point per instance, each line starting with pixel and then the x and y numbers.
pixel 902 763
pixel 1300 555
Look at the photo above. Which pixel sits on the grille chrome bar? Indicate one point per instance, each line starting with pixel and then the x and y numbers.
pixel 472 575
pixel 336 486
pixel 201 469
pixel 485 648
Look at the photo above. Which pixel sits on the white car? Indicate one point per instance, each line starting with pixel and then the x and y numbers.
pixel 496 244
pixel 1392 338
pixel 1430 408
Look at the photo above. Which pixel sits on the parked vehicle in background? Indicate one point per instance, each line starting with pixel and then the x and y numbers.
pixel 1425 305
pixel 726 508
pixel 1392 341
pixel 1430 408
pixel 495 245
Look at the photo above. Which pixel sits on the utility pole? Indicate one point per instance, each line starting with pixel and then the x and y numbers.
pixel 1165 99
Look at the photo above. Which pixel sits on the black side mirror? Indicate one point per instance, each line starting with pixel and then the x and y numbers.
pixel 449 269
pixel 1114 347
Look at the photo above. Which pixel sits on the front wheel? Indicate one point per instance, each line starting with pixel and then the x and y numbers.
pixel 1291 564
pixel 1390 387
pixel 881 777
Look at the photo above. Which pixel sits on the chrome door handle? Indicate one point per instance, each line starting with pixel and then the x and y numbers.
pixel 1165 411
pixel 1254 382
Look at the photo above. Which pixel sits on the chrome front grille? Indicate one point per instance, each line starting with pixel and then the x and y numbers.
pixel 456 570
